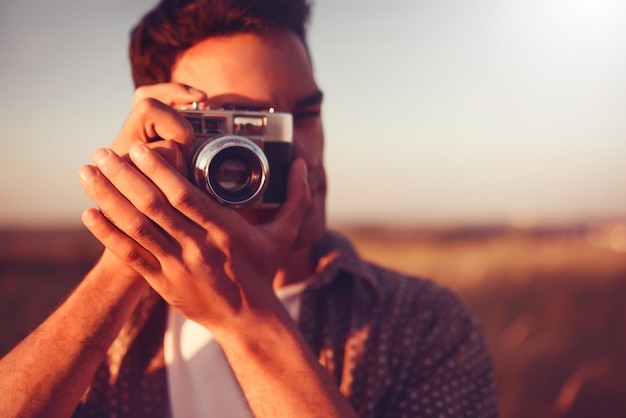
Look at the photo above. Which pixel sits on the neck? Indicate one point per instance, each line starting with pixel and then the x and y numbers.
pixel 297 267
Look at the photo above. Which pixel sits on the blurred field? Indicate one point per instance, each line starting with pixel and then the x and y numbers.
pixel 550 299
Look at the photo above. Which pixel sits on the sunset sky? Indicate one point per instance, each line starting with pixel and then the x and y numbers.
pixel 435 111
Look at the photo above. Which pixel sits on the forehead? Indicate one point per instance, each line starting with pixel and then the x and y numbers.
pixel 269 69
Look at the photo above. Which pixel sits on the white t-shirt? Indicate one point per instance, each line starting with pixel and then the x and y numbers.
pixel 199 379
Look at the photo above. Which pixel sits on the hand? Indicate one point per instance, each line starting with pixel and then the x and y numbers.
pixel 202 257
pixel 149 105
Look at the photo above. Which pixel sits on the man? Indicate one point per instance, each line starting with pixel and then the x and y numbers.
pixel 180 317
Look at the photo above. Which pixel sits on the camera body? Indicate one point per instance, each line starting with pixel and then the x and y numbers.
pixel 242 158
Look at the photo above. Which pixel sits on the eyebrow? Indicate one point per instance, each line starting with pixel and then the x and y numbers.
pixel 314 98
pixel 244 103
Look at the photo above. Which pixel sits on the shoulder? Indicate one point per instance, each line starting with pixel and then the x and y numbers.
pixel 417 341
pixel 429 324
pixel 436 347
pixel 418 298
pixel 392 294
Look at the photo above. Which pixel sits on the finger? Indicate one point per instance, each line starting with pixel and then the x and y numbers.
pixel 121 212
pixel 151 120
pixel 174 95
pixel 172 153
pixel 148 200
pixel 181 194
pixel 286 223
pixel 126 249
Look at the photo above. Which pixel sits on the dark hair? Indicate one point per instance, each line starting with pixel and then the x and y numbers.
pixel 174 26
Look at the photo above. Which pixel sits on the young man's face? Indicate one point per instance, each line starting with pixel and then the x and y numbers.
pixel 252 71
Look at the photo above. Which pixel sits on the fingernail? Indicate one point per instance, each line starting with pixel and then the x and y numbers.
pixel 100 156
pixel 89 216
pixel 86 173
pixel 137 152
pixel 195 92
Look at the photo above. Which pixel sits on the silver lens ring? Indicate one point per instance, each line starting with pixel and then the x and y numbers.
pixel 231 189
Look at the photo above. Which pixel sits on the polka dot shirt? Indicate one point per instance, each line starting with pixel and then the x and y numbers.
pixel 396 346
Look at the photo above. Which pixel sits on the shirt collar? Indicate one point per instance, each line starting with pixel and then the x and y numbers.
pixel 334 255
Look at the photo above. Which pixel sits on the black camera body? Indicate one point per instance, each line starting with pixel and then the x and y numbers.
pixel 242 158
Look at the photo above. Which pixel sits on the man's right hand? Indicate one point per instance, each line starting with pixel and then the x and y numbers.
pixel 204 258
pixel 49 371
pixel 151 111
pixel 163 131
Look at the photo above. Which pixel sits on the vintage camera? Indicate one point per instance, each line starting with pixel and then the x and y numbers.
pixel 242 158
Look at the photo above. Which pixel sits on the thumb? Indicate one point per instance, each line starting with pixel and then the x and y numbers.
pixel 286 224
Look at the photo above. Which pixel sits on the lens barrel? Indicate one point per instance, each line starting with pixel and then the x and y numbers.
pixel 231 168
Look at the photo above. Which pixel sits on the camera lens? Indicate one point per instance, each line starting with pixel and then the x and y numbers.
pixel 232 169
pixel 232 174
pixel 235 174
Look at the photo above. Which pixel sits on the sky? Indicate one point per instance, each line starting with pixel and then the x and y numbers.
pixel 435 111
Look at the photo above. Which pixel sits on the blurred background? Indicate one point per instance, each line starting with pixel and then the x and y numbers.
pixel 436 111
pixel 480 143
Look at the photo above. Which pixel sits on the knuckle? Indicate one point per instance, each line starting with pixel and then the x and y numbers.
pixel 138 227
pixel 183 199
pixel 225 243
pixel 147 105
pixel 113 168
pixel 206 255
pixel 141 93
pixel 151 205
pixel 130 254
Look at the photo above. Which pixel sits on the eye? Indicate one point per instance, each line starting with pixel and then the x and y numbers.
pixel 308 113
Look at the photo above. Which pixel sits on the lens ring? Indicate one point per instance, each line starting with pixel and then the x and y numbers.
pixel 235 174
pixel 221 164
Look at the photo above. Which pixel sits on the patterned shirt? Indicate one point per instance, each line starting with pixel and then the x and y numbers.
pixel 396 346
